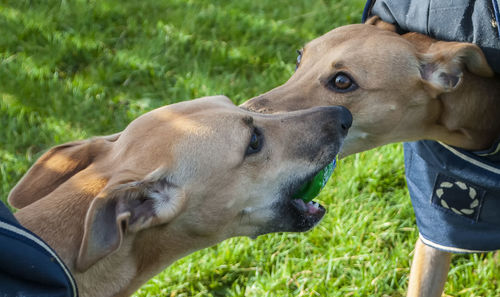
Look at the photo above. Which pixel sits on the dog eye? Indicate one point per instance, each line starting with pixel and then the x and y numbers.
pixel 341 82
pixel 256 141
pixel 299 57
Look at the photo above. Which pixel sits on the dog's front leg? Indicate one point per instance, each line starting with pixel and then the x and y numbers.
pixel 428 271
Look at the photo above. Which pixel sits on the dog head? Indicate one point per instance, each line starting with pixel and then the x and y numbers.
pixel 390 83
pixel 203 170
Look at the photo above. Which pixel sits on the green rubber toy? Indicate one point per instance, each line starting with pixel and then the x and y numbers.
pixel 312 188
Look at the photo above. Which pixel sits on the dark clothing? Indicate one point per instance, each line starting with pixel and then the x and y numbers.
pixel 28 266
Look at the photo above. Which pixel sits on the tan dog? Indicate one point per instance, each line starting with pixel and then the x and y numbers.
pixel 119 209
pixel 398 88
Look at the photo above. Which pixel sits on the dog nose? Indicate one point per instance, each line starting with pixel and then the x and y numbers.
pixel 341 117
pixel 336 119
pixel 345 118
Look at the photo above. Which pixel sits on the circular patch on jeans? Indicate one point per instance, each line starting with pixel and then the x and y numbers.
pixel 458 197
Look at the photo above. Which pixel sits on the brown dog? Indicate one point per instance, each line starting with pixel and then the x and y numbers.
pixel 119 209
pixel 398 88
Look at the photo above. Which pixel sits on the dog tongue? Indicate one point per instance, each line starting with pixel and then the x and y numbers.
pixel 312 188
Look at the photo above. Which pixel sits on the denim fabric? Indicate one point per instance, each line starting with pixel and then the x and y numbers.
pixel 455 195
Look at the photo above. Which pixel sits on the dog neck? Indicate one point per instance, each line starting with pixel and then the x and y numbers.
pixel 470 114
pixel 141 256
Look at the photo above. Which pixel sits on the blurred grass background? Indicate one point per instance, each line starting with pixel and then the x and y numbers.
pixel 74 69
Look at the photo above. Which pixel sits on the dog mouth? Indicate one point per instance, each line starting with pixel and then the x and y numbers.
pixel 296 211
pixel 310 209
pixel 310 212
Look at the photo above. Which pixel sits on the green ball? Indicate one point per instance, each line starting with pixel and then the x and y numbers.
pixel 312 188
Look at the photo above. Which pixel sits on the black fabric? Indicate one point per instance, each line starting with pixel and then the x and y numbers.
pixel 28 266
pixel 449 20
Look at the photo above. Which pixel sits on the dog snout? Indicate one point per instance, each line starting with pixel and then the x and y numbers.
pixel 345 118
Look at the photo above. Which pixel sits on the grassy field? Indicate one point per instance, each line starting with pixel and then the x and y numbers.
pixel 73 69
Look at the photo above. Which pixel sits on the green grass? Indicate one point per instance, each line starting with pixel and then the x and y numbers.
pixel 73 69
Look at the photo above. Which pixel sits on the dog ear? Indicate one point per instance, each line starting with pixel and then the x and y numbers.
pixel 377 22
pixel 55 167
pixel 129 208
pixel 443 63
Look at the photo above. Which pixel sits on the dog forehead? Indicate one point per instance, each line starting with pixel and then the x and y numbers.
pixel 365 51
pixel 201 115
pixel 356 39
pixel 156 136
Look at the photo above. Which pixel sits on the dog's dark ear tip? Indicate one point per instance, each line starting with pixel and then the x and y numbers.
pixel 379 23
pixel 112 137
pixel 372 20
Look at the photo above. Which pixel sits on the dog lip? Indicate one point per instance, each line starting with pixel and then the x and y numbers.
pixel 311 208
pixel 299 204
pixel 307 215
